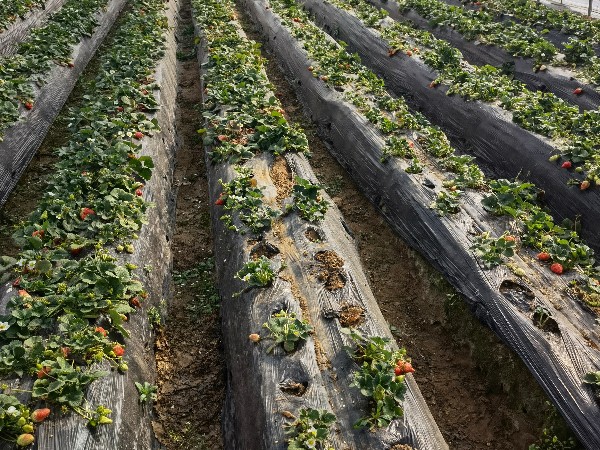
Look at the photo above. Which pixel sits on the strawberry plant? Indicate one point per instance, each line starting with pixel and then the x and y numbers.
pixel 491 250
pixel 310 431
pixel 308 201
pixel 286 329
pixel 257 273
pixel 148 392
pixel 15 419
pixel 447 202
pixel 376 378
pixel 242 196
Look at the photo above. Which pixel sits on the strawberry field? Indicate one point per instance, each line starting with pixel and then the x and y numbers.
pixel 299 224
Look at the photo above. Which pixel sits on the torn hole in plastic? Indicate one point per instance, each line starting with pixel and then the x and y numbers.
pixel 264 248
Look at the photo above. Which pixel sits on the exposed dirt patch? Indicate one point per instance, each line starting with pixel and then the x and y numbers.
pixel 191 373
pixel 401 447
pixel 313 235
pixel 282 178
pixel 329 270
pixel 293 388
pixel 479 392
pixel 265 249
pixel 351 315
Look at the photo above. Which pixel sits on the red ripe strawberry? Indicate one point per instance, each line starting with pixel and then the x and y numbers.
pixel 119 109
pixel 25 439
pixel 39 415
pixel 585 184
pixel 44 371
pixel 28 105
pixel 138 135
pixel 543 256
pixel 118 350
pixel 510 238
pixel 397 371
pixel 38 233
pixel 433 84
pixel 311 68
pixel 101 330
pixel 86 212
pixel 578 91
pixel 405 367
pixel 556 268
pixel 138 192
pixel 66 351
pixel 219 202
pixel 24 293
pixel 408 52
pixel 222 138
pixel 567 165
pixel 135 302
pixel 17 282
pixel 144 92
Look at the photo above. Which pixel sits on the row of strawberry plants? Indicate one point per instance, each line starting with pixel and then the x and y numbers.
pixel 244 119
pixel 74 293
pixel 410 136
pixel 44 48
pixel 11 11
pixel 516 38
pixel 574 134
pixel 541 16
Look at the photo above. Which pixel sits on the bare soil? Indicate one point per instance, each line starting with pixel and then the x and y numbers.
pixel 189 354
pixel 479 392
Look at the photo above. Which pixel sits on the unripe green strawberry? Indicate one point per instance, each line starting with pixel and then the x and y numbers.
pixel 28 428
pixel 22 421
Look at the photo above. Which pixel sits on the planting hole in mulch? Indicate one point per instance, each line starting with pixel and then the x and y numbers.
pixel 351 315
pixel 519 295
pixel 265 249
pixel 294 388
pixel 282 178
pixel 543 320
pixel 313 235
pixel 330 270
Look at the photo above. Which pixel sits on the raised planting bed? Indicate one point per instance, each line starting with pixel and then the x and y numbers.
pixel 531 308
pixel 517 38
pixel 14 28
pixel 557 80
pixel 545 18
pixel 39 78
pixel 285 260
pixel 95 250
pixel 484 130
